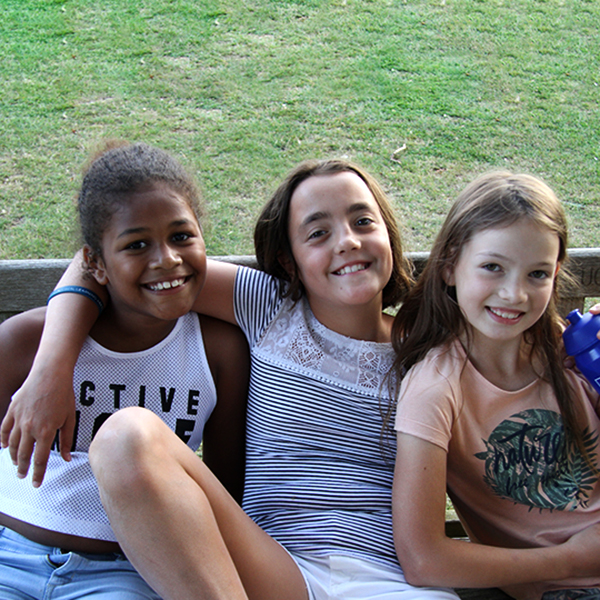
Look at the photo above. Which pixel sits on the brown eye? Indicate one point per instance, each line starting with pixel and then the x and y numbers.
pixel 492 267
pixel 540 274
pixel 317 234
pixel 137 245
pixel 181 237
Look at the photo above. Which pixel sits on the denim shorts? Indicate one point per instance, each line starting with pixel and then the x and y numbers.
pixel 30 571
pixel 349 578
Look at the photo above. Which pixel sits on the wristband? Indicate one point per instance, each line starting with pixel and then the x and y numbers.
pixel 77 289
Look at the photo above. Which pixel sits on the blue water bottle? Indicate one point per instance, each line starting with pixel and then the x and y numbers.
pixel 581 343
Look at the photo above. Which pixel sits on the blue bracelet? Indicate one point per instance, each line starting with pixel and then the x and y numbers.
pixel 77 289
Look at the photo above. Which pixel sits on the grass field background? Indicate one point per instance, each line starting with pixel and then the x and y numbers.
pixel 424 94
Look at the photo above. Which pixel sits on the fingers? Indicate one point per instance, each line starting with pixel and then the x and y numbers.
pixel 596 310
pixel 22 451
pixel 23 447
pixel 66 437
pixel 40 461
pixel 7 425
pixel 13 445
pixel 24 441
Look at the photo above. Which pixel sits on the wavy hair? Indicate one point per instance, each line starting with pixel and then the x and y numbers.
pixel 119 170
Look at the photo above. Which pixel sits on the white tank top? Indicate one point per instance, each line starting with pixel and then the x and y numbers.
pixel 172 379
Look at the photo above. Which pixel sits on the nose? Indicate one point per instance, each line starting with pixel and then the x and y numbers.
pixel 513 291
pixel 166 257
pixel 346 239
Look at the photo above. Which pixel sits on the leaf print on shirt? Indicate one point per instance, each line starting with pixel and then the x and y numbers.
pixel 526 461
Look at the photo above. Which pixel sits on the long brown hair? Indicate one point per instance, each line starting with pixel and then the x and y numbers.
pixel 271 234
pixel 430 316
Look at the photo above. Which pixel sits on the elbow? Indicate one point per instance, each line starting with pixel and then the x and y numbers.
pixel 419 564
pixel 417 571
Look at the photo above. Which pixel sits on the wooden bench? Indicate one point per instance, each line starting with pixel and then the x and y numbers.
pixel 25 284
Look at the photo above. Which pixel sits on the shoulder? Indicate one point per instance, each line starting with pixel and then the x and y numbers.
pixel 433 386
pixel 442 365
pixel 431 398
pixel 19 340
pixel 258 300
pixel 23 331
pixel 256 280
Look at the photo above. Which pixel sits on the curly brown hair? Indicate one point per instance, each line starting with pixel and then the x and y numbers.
pixel 120 169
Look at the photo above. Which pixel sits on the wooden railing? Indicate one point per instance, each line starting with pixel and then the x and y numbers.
pixel 25 284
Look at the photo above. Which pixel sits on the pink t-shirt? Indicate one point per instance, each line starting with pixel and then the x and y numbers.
pixel 511 484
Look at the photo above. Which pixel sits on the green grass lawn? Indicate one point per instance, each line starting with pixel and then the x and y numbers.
pixel 423 94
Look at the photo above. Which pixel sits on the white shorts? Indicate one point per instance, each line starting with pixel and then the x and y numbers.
pixel 339 577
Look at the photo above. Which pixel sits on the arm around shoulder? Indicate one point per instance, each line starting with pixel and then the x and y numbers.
pixel 45 402
pixel 216 297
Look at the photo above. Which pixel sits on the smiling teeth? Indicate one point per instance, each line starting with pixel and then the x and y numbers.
pixel 166 285
pixel 505 315
pixel 351 269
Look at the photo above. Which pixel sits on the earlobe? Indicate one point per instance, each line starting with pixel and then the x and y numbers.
pixel 448 276
pixel 95 265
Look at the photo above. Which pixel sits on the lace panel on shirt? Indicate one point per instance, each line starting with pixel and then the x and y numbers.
pixel 298 340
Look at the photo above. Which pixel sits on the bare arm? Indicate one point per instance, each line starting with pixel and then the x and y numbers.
pixel 45 403
pixel 19 339
pixel 225 432
pixel 428 557
pixel 216 297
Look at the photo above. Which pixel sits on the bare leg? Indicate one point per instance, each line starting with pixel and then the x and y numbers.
pixel 177 524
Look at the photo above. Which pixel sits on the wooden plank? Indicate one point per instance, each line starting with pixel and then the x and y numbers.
pixel 454 529
pixel 25 284
pixel 584 265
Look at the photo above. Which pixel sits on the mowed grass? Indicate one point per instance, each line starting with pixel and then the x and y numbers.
pixel 424 94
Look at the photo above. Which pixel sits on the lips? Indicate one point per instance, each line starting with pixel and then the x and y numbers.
pixel 159 286
pixel 352 268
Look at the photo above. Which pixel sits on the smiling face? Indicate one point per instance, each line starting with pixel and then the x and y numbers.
pixel 340 243
pixel 504 279
pixel 153 256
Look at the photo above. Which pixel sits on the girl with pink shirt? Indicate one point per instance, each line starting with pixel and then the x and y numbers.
pixel 488 412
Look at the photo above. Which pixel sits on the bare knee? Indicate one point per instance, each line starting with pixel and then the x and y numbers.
pixel 122 449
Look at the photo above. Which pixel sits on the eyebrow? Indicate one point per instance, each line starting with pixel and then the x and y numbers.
pixel 488 254
pixel 136 230
pixel 320 214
